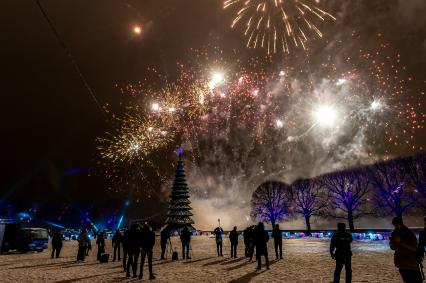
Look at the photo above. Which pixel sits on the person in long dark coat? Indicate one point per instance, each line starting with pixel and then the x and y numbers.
pixel 404 243
pixel 261 242
pixel 278 241
pixel 185 238
pixel 233 238
pixel 83 244
pixel 100 242
pixel 147 245
pixel 133 249
pixel 218 232
pixel 56 243
pixel 124 243
pixel 116 244
pixel 164 238
pixel 340 251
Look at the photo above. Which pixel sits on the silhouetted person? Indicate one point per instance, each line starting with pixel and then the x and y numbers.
pixel 89 248
pixel 56 243
pixel 124 243
pixel 261 240
pixel 83 244
pixel 233 238
pixel 246 236
pixel 422 243
pixel 133 250
pixel 218 232
pixel 278 241
pixel 100 242
pixel 116 244
pixel 252 242
pixel 147 245
pixel 404 243
pixel 164 238
pixel 185 238
pixel 340 251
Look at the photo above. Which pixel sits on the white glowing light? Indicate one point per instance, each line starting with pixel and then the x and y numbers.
pixel 255 92
pixel 134 147
pixel 375 105
pixel 282 74
pixel 155 106
pixel 341 82
pixel 325 115
pixel 279 123
pixel 172 109
pixel 201 99
pixel 150 129
pixel 222 94
pixel 137 30
pixel 217 79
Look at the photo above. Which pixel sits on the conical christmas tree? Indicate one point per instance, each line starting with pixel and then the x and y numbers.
pixel 179 214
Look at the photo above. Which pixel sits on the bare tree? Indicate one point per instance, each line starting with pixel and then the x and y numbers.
pixel 416 178
pixel 348 194
pixel 270 202
pixel 392 191
pixel 309 199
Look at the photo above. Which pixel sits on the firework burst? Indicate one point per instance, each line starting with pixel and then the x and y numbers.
pixel 266 124
pixel 277 25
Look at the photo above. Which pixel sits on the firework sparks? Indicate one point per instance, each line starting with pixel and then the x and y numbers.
pixel 278 24
pixel 250 116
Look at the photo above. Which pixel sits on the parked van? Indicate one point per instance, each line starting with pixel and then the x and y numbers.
pixel 14 237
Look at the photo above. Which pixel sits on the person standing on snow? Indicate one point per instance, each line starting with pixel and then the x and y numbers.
pixel 218 232
pixel 233 237
pixel 404 243
pixel 340 251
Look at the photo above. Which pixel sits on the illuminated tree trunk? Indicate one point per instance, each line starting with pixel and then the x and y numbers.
pixel 308 224
pixel 351 222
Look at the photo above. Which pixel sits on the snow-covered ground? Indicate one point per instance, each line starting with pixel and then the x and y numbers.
pixel 305 260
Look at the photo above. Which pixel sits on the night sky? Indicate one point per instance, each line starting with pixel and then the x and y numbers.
pixel 50 122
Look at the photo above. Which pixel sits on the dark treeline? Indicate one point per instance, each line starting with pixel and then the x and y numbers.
pixel 392 188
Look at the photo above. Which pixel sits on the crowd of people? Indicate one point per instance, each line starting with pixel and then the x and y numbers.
pixel 138 242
